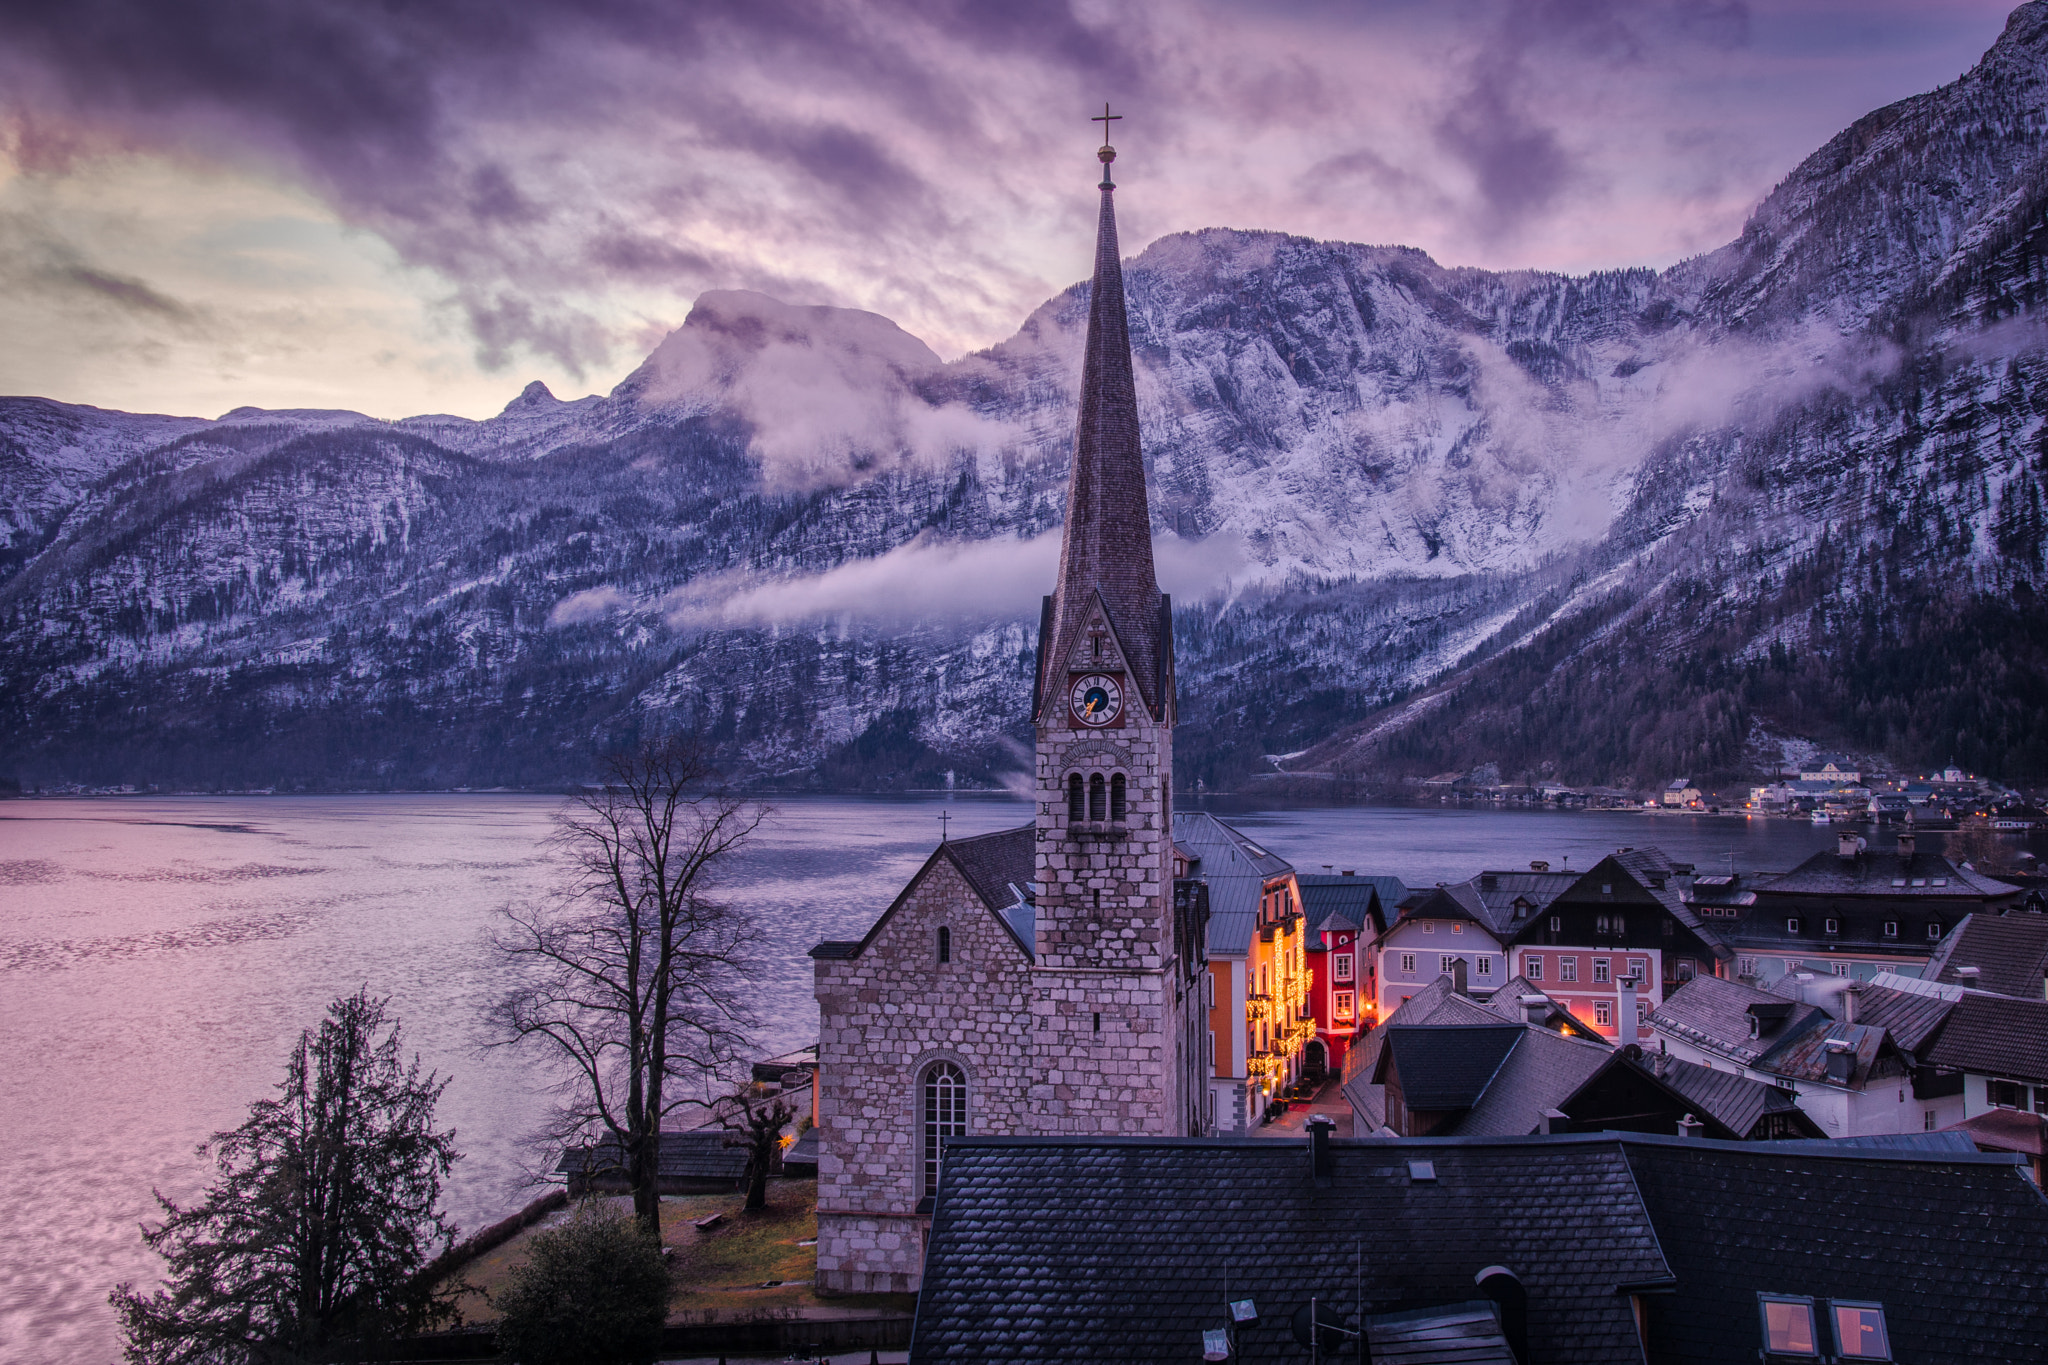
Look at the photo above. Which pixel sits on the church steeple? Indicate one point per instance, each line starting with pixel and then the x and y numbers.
pixel 1106 549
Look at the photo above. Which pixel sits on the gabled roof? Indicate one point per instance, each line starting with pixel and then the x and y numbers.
pixel 1458 900
pixel 2009 951
pixel 1236 868
pixel 1736 1102
pixel 1498 892
pixel 1506 1001
pixel 1714 1013
pixel 1543 1069
pixel 1994 1035
pixel 702 1154
pixel 1436 1003
pixel 1909 1017
pixel 1362 901
pixel 990 864
pixel 1445 1066
pixel 2006 1130
pixel 1885 874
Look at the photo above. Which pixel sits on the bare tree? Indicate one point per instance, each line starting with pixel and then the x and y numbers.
pixel 632 974
pixel 759 1130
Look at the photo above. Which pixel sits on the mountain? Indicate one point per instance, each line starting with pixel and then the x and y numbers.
pixel 1606 528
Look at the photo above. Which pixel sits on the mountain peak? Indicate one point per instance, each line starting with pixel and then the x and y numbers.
pixel 534 395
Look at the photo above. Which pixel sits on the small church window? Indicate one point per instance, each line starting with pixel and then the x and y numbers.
pixel 1097 798
pixel 1116 798
pixel 1076 809
pixel 945 1115
pixel 945 944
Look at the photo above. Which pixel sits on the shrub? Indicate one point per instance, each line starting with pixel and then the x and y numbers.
pixel 593 1291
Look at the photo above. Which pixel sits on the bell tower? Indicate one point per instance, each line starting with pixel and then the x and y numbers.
pixel 1109 1000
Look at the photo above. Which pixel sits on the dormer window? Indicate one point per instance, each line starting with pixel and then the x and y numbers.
pixel 1891 928
pixel 1859 1331
pixel 1557 924
pixel 1789 1325
pixel 1834 926
pixel 1792 925
pixel 1934 929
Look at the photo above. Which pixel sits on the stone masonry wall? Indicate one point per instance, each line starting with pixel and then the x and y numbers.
pixel 883 1017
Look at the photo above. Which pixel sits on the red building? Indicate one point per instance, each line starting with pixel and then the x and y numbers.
pixel 1344 916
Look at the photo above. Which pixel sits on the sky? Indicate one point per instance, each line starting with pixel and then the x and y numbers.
pixel 408 208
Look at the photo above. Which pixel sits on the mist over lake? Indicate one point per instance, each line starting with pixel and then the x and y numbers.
pixel 158 956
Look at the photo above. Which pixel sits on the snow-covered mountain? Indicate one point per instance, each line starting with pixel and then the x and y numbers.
pixel 1603 527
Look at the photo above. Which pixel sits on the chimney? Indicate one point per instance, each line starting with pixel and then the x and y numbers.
pixel 1968 976
pixel 1850 994
pixel 1847 846
pixel 1628 1036
pixel 1458 975
pixel 1321 1162
pixel 1906 839
pixel 1691 1127
pixel 1348 872
pixel 1539 865
pixel 1536 1010
pixel 1555 1121
pixel 1841 1062
pixel 1804 985
pixel 1504 1287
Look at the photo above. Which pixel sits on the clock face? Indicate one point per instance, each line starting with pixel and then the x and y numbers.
pixel 1097 699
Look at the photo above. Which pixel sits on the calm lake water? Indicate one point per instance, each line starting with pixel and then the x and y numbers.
pixel 158 956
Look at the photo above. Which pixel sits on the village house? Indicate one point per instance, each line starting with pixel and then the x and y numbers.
pixel 2006 954
pixel 1681 794
pixel 1979 1051
pixel 1624 919
pixel 1833 769
pixel 1434 931
pixel 1344 916
pixel 1254 945
pixel 1595 1249
pixel 1851 913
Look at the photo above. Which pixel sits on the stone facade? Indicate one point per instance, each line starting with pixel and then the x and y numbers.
pixel 885 1017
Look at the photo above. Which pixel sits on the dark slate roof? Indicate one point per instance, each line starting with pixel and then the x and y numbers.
pixel 1910 1017
pixel 1649 867
pixel 1124 1249
pixel 1885 874
pixel 1498 892
pixel 2009 951
pixel 1236 868
pixel 1506 1001
pixel 1361 900
pixel 701 1154
pixel 1542 1071
pixel 1994 1035
pixel 1714 1013
pixel 1455 901
pixel 1446 1066
pixel 1734 1101
pixel 1436 1003
pixel 993 863
pixel 1952 1245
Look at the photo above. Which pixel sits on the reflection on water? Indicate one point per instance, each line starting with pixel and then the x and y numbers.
pixel 157 957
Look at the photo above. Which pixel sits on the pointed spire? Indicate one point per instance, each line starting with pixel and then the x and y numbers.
pixel 1107 545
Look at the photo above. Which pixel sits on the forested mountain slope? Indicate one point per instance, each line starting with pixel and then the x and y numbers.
pixel 1603 528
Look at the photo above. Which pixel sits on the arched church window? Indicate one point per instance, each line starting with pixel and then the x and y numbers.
pixel 1116 797
pixel 945 1116
pixel 1076 810
pixel 1097 799
pixel 945 944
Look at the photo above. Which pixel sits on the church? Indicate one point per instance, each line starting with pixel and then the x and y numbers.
pixel 1044 980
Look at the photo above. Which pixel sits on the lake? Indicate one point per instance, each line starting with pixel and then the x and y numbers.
pixel 159 955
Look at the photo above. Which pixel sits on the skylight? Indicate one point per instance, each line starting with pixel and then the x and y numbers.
pixel 1859 1331
pixel 1788 1326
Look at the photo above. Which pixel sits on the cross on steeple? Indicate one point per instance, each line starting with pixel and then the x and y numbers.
pixel 945 819
pixel 1105 118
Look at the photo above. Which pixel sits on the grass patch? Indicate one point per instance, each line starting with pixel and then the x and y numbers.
pixel 721 1274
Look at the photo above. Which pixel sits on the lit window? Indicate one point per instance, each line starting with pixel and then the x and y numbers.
pixel 1601 970
pixel 1534 967
pixel 1567 969
pixel 1342 966
pixel 1603 1013
pixel 945 1115
pixel 1457 928
pixel 1859 1331
pixel 1408 964
pixel 1341 1003
pixel 1788 1326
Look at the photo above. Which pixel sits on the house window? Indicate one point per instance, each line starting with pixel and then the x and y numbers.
pixel 1792 925
pixel 1891 928
pixel 1603 1013
pixel 1341 966
pixel 1685 969
pixel 1642 1013
pixel 1341 1004
pixel 1445 961
pixel 1407 964
pixel 1077 807
pixel 1429 926
pixel 1934 929
pixel 1557 924
pixel 1639 968
pixel 1670 926
pixel 1484 966
pixel 1116 797
pixel 1457 928
pixel 1927 1121
pixel 1098 799
pixel 1567 969
pixel 1601 971
pixel 945 944
pixel 1859 1331
pixel 1747 967
pixel 2007 1094
pixel 1534 967
pixel 1788 1325
pixel 1839 968
pixel 945 1115
pixel 1607 888
pixel 1834 926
